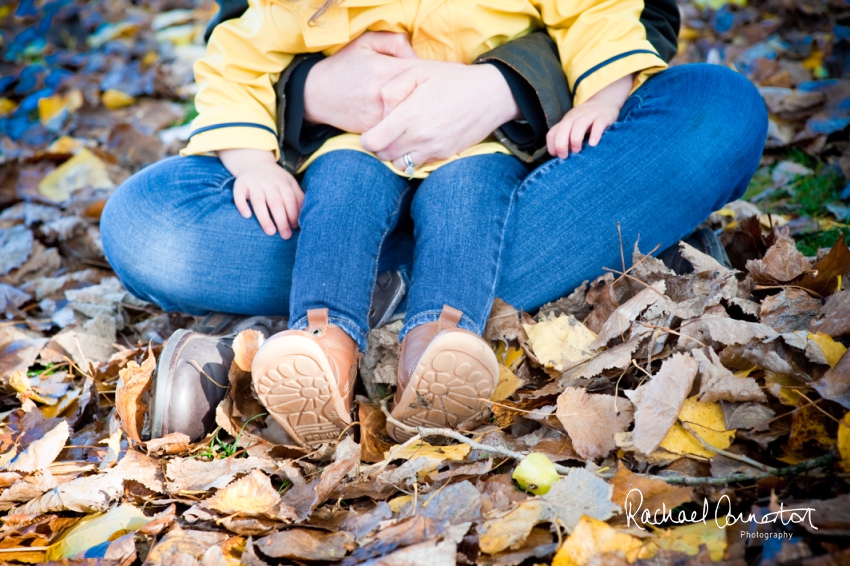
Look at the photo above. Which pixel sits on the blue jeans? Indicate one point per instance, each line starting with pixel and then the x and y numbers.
pixel 686 143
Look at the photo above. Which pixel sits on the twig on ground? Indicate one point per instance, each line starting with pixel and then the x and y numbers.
pixel 819 462
pixel 731 455
pixel 448 433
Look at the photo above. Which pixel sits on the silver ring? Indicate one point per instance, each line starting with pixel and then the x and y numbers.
pixel 411 168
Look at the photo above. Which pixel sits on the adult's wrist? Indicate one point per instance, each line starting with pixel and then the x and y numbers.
pixel 313 86
pixel 504 105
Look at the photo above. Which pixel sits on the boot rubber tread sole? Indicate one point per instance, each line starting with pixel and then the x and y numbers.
pixel 455 376
pixel 294 381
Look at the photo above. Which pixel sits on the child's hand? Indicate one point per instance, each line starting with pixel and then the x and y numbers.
pixel 594 116
pixel 268 186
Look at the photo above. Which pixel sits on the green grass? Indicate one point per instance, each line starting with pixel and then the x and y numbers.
pixel 219 448
pixel 806 196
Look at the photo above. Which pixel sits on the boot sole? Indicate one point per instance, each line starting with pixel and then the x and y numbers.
pixel 294 381
pixel 454 378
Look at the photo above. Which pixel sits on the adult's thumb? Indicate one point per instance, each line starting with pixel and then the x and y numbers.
pixel 398 89
pixel 387 43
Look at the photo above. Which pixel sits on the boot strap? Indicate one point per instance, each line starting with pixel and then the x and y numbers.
pixel 449 318
pixel 317 321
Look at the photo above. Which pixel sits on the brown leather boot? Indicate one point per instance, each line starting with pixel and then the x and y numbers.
pixel 445 375
pixel 306 379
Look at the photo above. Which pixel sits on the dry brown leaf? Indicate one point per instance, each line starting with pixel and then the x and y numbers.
pixel 411 531
pixel 651 494
pixel 580 493
pixel 170 444
pixel 702 263
pixel 729 331
pixel 250 496
pixel 92 494
pixel 193 475
pixel 835 383
pixel 181 547
pixel 789 310
pixel 745 415
pixel 834 316
pixel 141 468
pixel 307 544
pixel 434 552
pixel 601 295
pixel 782 263
pixel 41 453
pixel 245 347
pixel 19 355
pixel 619 356
pixel 620 321
pixel 26 489
pixel 510 530
pixel 719 384
pixel 134 381
pixel 504 323
pixel 658 402
pixel 373 432
pixel 835 264
pixel 592 420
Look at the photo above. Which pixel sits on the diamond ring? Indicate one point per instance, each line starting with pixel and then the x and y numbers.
pixel 410 169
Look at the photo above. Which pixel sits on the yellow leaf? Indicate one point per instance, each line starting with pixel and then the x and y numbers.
pixel 536 473
pixel 746 372
pixel 831 349
pixel 64 402
pixel 844 442
pixel 706 419
pixel 398 503
pixel 53 110
pixel 784 387
pixel 82 170
pixel 96 529
pixel 435 455
pixel 454 452
pixel 688 539
pixel 114 99
pixel 508 384
pixel 560 343
pixel 591 538
pixel 7 107
pixel 21 383
pixel 66 144
pixel 511 530
pixel 508 356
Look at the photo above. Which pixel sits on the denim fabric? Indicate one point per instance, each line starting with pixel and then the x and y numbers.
pixel 686 143
pixel 352 202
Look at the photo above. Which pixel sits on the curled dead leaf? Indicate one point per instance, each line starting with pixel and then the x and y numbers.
pixel 134 381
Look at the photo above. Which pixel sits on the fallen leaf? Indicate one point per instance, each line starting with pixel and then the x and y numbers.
pixel 250 496
pixel 828 270
pixel 26 489
pixel 577 494
pixel 179 547
pixel 83 170
pixel 844 441
pixel 373 432
pixel 245 347
pixel 790 309
pixel 379 364
pixel 811 428
pixel 94 530
pixel 591 538
pixel 835 383
pixel 134 381
pixel 91 494
pixel 16 245
pixel 510 530
pixel 193 475
pixel 560 343
pixel 115 99
pixel 719 384
pixel 746 415
pixel 822 349
pixel 619 356
pixel 41 453
pixel 601 295
pixel 834 316
pixel 361 525
pixel 508 384
pixel 634 493
pixel 689 538
pixel 411 531
pixel 782 263
pixel 504 323
pixel 433 552
pixel 592 420
pixel 307 544
pixel 620 321
pixel 706 420
pixel 658 403
pixel 171 443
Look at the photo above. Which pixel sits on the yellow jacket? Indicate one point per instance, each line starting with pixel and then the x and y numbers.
pixel 599 41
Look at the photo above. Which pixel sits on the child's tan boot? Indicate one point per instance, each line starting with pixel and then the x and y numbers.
pixel 445 375
pixel 306 379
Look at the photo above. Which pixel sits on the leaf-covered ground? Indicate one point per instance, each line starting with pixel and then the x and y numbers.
pixel 722 394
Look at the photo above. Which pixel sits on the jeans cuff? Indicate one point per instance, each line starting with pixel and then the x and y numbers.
pixel 344 324
pixel 432 316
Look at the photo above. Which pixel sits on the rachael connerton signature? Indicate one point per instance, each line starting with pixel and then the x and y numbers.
pixel 724 516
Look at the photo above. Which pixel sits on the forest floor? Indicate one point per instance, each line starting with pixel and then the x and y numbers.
pixel 722 394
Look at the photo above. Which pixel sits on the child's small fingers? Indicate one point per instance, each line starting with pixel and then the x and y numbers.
pixel 599 127
pixel 290 204
pixel 275 204
pixel 578 133
pixel 261 211
pixel 240 199
pixel 562 140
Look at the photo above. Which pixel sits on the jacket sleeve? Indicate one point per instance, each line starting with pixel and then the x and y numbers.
pixel 236 100
pixel 600 41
